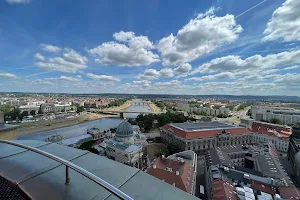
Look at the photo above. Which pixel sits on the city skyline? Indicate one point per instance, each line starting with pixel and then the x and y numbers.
pixel 150 47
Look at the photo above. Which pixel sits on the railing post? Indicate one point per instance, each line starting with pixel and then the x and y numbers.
pixel 67 175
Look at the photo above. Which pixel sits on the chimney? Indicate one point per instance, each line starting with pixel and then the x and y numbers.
pixel 163 156
pixel 154 166
pixel 177 173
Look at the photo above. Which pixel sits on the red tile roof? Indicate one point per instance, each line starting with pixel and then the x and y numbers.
pixel 182 181
pixel 289 192
pixel 204 133
pixel 262 187
pixel 222 190
pixel 271 129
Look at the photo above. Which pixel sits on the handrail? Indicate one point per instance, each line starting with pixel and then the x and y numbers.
pixel 78 169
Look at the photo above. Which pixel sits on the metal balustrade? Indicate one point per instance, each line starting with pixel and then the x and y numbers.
pixel 76 168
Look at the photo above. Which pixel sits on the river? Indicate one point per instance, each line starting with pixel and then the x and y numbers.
pixel 80 129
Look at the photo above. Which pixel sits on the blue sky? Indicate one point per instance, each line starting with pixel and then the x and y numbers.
pixel 161 47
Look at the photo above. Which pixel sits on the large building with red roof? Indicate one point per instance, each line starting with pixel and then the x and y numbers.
pixel 200 137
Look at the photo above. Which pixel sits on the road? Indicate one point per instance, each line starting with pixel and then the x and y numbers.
pixel 236 117
pixel 200 178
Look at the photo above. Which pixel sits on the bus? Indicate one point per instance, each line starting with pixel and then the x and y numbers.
pixel 201 191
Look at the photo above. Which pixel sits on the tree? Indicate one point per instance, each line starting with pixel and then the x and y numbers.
pixel 173 148
pixel 230 107
pixel 89 147
pixel 20 116
pixel 163 119
pixel 32 113
pixel 5 108
pixel 25 113
pixel 40 111
pixel 15 113
pixel 275 121
pixel 80 109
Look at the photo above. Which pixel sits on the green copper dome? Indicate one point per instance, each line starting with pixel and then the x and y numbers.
pixel 124 130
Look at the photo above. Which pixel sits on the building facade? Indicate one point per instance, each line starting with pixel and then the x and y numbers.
pixel 211 111
pixel 200 137
pixel 48 108
pixel 266 114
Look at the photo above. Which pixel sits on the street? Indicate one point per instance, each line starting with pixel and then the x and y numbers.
pixel 200 177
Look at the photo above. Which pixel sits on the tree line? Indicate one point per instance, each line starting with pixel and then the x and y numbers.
pixel 145 122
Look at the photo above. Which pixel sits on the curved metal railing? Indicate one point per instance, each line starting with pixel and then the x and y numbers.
pixel 76 168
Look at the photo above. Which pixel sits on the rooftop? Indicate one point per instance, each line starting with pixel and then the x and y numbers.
pixel 223 190
pixel 94 130
pixel 26 170
pixel 124 146
pixel 201 126
pixel 188 157
pixel 219 157
pixel 203 129
pixel 175 172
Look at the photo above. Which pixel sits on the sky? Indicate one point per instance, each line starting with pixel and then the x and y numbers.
pixel 228 47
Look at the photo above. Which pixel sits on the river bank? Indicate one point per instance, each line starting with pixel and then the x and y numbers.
pixel 122 107
pixel 154 108
pixel 42 126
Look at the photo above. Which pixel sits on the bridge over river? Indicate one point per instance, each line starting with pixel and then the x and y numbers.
pixel 135 106
pixel 122 112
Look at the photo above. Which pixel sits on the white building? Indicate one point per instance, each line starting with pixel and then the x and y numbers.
pixel 211 111
pixel 266 114
pixel 29 108
pixel 126 147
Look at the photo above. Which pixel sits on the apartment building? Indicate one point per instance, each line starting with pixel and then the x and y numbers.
pixel 289 116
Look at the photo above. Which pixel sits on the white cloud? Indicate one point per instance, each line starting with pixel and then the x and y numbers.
pixel 183 69
pixel 285 23
pixel 254 63
pixel 200 36
pixel 169 84
pixel 152 74
pixel 18 1
pixel 50 48
pixel 222 75
pixel 74 57
pixel 103 77
pixel 124 36
pixel 70 63
pixel 166 72
pixel 7 75
pixel 270 71
pixel 64 78
pixel 143 83
pixel 136 51
pixel 39 56
pixel 292 67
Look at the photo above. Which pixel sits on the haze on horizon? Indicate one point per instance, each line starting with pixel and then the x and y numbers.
pixel 228 47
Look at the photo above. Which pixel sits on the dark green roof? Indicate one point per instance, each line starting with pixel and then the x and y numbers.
pixel 42 178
